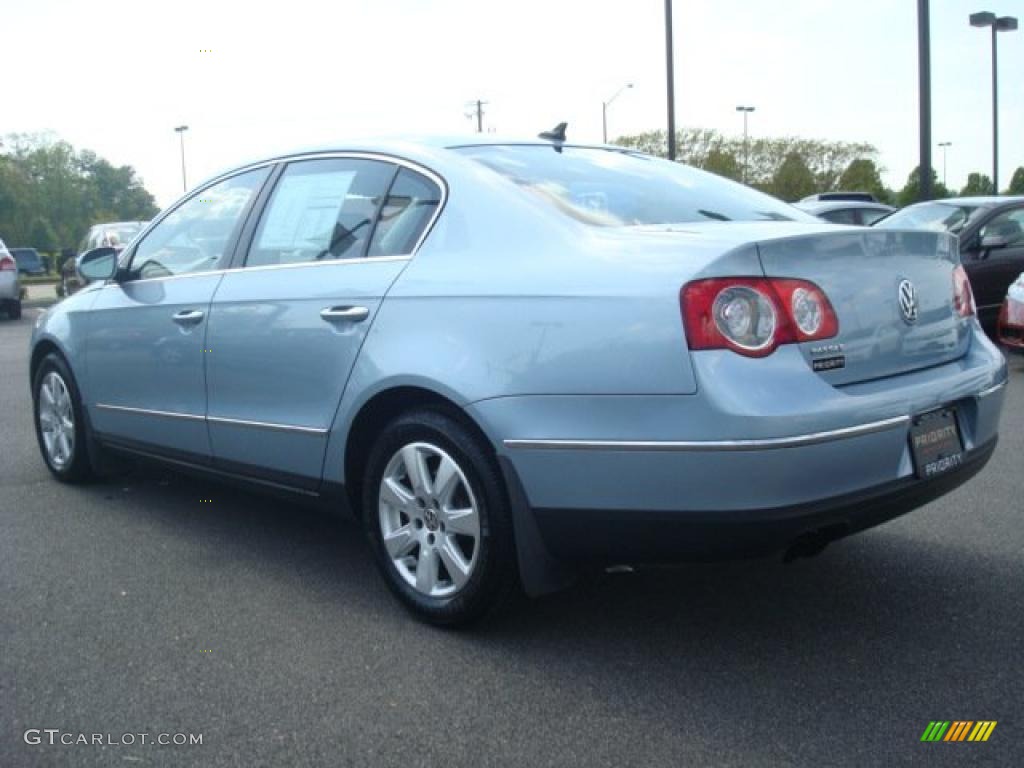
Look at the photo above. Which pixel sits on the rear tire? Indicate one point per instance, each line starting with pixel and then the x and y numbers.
pixel 61 430
pixel 437 515
pixel 14 310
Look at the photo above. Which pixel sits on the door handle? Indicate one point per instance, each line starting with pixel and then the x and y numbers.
pixel 352 314
pixel 188 316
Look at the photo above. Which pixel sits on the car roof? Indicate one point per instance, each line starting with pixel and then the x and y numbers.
pixel 981 201
pixel 825 206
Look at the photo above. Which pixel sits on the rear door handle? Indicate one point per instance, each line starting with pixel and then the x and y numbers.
pixel 188 316
pixel 352 314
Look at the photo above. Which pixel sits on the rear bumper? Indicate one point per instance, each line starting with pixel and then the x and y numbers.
pixel 631 536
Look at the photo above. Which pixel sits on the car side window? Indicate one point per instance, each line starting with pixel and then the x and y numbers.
pixel 412 201
pixel 841 216
pixel 321 210
pixel 195 236
pixel 869 216
pixel 1008 225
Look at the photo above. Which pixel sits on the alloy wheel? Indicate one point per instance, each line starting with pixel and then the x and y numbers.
pixel 429 519
pixel 56 420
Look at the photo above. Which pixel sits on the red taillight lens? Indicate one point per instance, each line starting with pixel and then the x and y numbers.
pixel 754 315
pixel 963 297
pixel 7 264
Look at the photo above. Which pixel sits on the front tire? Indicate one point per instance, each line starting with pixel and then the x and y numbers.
pixel 437 516
pixel 60 423
pixel 14 310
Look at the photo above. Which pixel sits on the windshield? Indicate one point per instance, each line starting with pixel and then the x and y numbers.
pixel 613 189
pixel 941 217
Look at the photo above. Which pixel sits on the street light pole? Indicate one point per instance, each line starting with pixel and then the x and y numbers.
pixel 924 90
pixel 670 82
pixel 998 24
pixel 944 145
pixel 180 130
pixel 604 111
pixel 746 154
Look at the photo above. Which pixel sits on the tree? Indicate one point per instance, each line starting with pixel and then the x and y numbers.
pixel 724 164
pixel 977 184
pixel 1017 182
pixel 862 175
pixel 50 194
pixel 762 157
pixel 911 193
pixel 793 180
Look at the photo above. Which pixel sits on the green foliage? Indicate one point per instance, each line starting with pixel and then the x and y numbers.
pixel 911 192
pixel 50 194
pixel 762 158
pixel 724 164
pixel 1017 182
pixel 793 180
pixel 977 184
pixel 862 175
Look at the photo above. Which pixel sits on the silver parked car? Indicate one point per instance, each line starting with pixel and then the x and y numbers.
pixel 10 285
pixel 512 360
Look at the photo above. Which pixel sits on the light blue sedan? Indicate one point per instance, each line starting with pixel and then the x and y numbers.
pixel 512 360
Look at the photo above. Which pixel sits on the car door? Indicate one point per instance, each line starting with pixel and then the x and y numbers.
pixel 992 270
pixel 146 331
pixel 286 327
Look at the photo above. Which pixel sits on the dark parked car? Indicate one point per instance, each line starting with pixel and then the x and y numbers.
pixel 991 232
pixel 29 262
pixel 115 234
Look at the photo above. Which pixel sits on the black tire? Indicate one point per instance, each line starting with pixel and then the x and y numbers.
pixel 14 310
pixel 78 469
pixel 494 574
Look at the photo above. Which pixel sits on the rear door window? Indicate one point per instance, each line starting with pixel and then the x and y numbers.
pixel 321 210
pixel 410 206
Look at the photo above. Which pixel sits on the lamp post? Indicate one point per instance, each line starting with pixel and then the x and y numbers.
pixel 670 82
pixel 944 145
pixel 180 130
pixel 604 110
pixel 746 112
pixel 998 24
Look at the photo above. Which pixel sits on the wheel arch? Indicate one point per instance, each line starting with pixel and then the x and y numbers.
pixel 376 412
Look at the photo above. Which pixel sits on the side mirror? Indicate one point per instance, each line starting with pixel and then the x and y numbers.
pixel 994 241
pixel 98 264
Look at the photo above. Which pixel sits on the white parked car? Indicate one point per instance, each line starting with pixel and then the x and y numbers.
pixel 10 287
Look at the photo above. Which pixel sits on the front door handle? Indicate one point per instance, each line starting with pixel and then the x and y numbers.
pixel 188 317
pixel 352 314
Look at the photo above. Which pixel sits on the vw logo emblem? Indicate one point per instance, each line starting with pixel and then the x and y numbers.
pixel 907 294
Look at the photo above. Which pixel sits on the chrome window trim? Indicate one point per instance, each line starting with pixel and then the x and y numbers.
pixel 771 443
pixel 340 154
pixel 297 265
pixel 215 419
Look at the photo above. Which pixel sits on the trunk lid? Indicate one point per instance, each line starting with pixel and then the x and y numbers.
pixel 892 292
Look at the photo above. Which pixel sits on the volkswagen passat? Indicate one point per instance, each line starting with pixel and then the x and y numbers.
pixel 511 359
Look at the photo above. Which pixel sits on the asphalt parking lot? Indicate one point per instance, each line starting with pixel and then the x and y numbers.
pixel 138 606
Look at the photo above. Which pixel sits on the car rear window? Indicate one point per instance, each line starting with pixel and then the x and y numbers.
pixel 613 188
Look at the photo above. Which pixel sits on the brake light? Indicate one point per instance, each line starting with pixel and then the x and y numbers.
pixel 754 315
pixel 7 264
pixel 963 296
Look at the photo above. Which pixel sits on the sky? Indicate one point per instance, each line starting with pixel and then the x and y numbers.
pixel 251 79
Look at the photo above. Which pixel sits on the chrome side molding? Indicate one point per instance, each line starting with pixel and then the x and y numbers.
pixel 215 419
pixel 770 443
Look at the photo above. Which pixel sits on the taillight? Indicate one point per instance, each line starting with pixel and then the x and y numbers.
pixel 7 264
pixel 754 315
pixel 963 297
